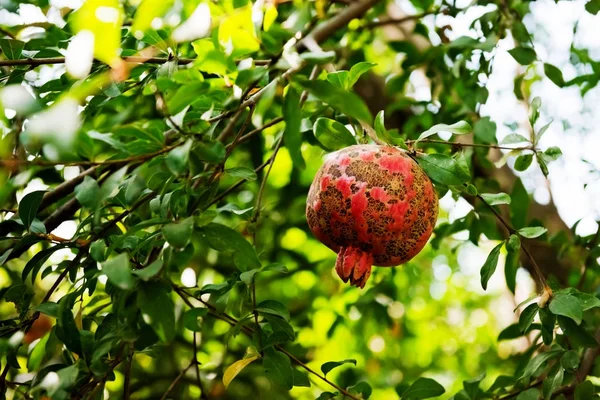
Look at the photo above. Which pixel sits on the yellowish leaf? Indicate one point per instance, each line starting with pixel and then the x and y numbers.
pixel 234 369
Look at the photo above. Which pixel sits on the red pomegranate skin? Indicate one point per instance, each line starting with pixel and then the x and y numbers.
pixel 372 205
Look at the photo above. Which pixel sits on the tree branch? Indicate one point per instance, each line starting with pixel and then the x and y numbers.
pixel 129 59
pixel 396 21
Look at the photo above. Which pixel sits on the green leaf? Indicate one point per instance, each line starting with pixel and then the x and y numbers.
pixel 66 328
pixel 523 55
pixel 357 71
pixel 529 394
pixel 532 232
pixel 570 360
pixel 472 386
pixel 587 301
pixel 328 366
pixel 242 172
pixel 494 199
pixel 278 368
pixel 490 265
pixel 178 158
pixel 301 379
pixel 423 388
pixel 118 271
pixel 49 308
pixel 150 271
pixel 12 48
pixel 514 331
pixel 279 324
pixel 332 134
pixel 519 207
pixel 534 110
pixel 339 78
pixel 273 307
pixel 318 58
pixel 191 318
pixel 485 130
pixel 552 154
pixel 158 310
pixel 554 74
pixel 585 391
pixel 87 193
pixel 223 238
pixel 593 6
pixel 179 234
pixel 362 389
pixel 577 334
pixel 327 396
pixel 567 306
pixel 537 361
pixel 548 321
pixel 541 132
pixel 527 316
pixel 339 99
pixel 458 128
pixel 553 381
pixel 514 138
pixel 212 152
pixel 110 186
pixel 523 162
pixel 443 169
pixel 98 250
pixel 292 135
pixel 28 207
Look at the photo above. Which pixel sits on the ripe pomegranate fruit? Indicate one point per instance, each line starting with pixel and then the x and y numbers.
pixel 372 205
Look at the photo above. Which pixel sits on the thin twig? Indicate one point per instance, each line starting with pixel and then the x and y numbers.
pixel 176 380
pixel 127 380
pixel 396 21
pixel 129 59
pixel 458 144
pixel 141 157
pixel 253 132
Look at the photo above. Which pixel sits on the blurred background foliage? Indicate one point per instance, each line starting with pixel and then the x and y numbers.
pixel 156 157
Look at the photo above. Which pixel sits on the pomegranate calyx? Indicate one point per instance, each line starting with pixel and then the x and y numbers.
pixel 355 265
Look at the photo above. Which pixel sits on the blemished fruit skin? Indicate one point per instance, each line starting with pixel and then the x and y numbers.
pixel 371 204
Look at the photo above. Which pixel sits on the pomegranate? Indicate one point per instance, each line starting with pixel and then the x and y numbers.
pixel 372 205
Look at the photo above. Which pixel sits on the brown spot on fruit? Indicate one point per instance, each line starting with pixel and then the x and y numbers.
pixel 373 205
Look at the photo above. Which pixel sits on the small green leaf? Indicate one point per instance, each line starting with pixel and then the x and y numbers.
pixel 12 48
pixel 179 234
pixel 552 153
pixel 553 381
pixel 149 272
pixel 223 238
pixel 339 78
pixel 523 162
pixel 494 199
pixel 242 172
pixel 534 110
pixel 568 306
pixel 191 318
pixel 532 232
pixel 593 6
pixel 49 308
pixel 327 396
pixel 98 250
pixel 212 152
pixel 514 243
pixel 157 309
pixel 301 379
pixel 548 321
pixel 318 58
pixel 490 265
pixel 587 301
pixel 423 388
pixel 523 55
pixel 527 316
pixel 342 100
pixel 570 360
pixel 529 394
pixel 273 307
pixel 514 138
pixel 554 74
pixel 584 391
pixel 537 361
pixel 278 368
pixel 332 134
pixel 485 130
pixel 541 132
pixel 118 271
pixel 28 207
pixel 87 193
pixel 357 71
pixel 443 169
pixel 328 366
pixel 292 135
pixel 363 389
pixel 577 334
pixel 178 158
pixel 458 128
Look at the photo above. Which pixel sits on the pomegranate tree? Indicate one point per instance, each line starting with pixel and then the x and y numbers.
pixel 372 205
